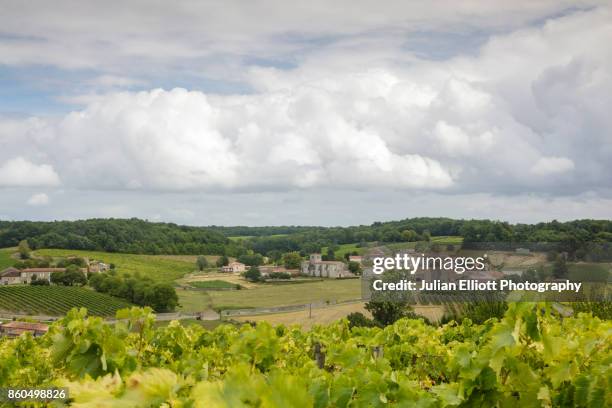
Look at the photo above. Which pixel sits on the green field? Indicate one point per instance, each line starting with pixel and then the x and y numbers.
pixel 56 300
pixel 597 272
pixel 447 240
pixel 344 249
pixel 271 295
pixel 213 284
pixel 243 237
pixel 5 258
pixel 162 268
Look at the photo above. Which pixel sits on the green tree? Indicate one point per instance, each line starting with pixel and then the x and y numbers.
pixel 222 261
pixel 253 274
pixel 251 259
pixel 24 249
pixel 292 260
pixel 162 298
pixel 201 263
pixel 73 276
pixel 409 235
pixel 358 319
pixel 386 312
pixel 331 255
pixel 354 267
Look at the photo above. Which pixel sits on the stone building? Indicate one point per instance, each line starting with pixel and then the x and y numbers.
pixel 13 276
pixel 234 267
pixel 315 266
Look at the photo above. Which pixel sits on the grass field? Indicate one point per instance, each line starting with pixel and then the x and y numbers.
pixel 271 295
pixel 162 268
pixel 597 272
pixel 344 249
pixel 306 318
pixel 213 284
pixel 447 240
pixel 56 300
pixel 5 257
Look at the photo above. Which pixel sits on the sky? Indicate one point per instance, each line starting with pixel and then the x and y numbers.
pixel 310 113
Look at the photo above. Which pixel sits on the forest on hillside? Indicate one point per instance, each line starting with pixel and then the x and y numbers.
pixel 139 236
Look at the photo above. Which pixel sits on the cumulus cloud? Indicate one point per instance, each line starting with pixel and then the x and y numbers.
pixel 552 165
pixel 38 199
pixel 20 172
pixel 529 104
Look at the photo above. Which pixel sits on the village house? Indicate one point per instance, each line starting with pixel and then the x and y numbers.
pixel 234 267
pixel 14 276
pixel 315 266
pixel 97 267
pixel 10 276
pixel 355 258
pixel 14 329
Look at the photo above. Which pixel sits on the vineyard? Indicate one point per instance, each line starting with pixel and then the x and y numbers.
pixel 531 357
pixel 56 300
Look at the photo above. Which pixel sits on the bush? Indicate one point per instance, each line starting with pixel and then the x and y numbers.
pixel 39 282
pixel 279 275
pixel 478 312
pixel 253 274
pixel 354 267
pixel 358 319
pixel 292 260
pixel 201 263
pixel 222 261
pixel 72 276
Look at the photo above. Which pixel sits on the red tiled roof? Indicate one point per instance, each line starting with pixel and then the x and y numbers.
pixel 44 270
pixel 25 326
pixel 10 273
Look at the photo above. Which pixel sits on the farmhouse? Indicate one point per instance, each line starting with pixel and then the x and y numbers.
pixel 315 266
pixel 13 276
pixel 14 329
pixel 355 258
pixel 10 276
pixel 97 267
pixel 234 267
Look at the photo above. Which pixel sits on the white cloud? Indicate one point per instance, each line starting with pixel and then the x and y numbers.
pixel 531 102
pixel 552 165
pixel 38 199
pixel 20 172
pixel 96 35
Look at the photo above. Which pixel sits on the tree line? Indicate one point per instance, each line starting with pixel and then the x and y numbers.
pixel 139 236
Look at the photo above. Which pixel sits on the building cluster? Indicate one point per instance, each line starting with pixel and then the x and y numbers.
pixel 316 266
pixel 234 267
pixel 14 276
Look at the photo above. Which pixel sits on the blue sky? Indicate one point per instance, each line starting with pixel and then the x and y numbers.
pixel 318 113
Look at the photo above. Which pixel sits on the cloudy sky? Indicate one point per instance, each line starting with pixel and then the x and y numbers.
pixel 327 113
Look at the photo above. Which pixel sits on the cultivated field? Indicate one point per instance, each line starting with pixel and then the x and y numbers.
pixel 162 268
pixel 305 318
pixel 268 295
pixel 325 315
pixel 56 300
